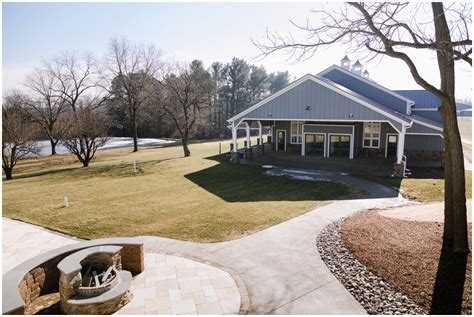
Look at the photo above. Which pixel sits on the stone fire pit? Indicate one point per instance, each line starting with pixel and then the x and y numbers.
pixel 92 281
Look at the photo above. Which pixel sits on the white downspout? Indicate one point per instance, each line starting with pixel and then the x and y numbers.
pixel 401 144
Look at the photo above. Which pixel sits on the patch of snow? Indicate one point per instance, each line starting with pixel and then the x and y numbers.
pixel 302 177
pixel 113 143
pixel 268 166
pixel 298 177
pixel 467 165
pixel 298 172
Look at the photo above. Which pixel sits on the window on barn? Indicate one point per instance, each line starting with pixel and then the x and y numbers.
pixel 296 132
pixel 371 134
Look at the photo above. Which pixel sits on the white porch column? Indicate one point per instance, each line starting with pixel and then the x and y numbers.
pixel 401 144
pixel 247 131
pixel 260 132
pixel 234 138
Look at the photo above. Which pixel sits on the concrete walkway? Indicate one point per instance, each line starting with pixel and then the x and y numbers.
pixel 431 212
pixel 280 266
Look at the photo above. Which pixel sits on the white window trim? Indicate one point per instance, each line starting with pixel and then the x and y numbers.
pixel 351 144
pixel 371 138
pixel 303 145
pixel 276 140
pixel 296 135
pixel 386 141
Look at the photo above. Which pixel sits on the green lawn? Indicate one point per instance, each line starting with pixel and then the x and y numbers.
pixel 190 198
pixel 419 189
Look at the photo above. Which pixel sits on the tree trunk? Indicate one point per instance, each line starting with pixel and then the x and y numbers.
pixel 8 173
pixel 455 226
pixel 53 146
pixel 85 163
pixel 135 135
pixel 184 140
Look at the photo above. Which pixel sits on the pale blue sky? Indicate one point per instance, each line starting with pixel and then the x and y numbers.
pixel 183 31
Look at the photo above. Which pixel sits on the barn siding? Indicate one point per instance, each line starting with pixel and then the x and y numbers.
pixel 323 103
pixel 432 115
pixel 418 128
pixel 424 142
pixel 308 128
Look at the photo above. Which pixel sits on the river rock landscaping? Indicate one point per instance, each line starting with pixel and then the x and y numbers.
pixel 372 292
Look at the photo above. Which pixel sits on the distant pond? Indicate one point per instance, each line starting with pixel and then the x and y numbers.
pixel 113 143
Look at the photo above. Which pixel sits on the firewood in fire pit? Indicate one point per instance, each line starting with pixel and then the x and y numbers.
pixel 96 278
pixel 106 274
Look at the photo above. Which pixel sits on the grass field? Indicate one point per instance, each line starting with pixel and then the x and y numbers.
pixel 189 198
pixel 419 189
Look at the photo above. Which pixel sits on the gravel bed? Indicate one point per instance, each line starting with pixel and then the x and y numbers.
pixel 373 293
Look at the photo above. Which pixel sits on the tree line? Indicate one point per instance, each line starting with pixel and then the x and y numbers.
pixel 80 101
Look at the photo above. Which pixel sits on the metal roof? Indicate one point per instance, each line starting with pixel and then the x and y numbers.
pixel 418 118
pixel 422 98
pixel 368 100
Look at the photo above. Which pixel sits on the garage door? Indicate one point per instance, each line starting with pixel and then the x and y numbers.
pixel 340 146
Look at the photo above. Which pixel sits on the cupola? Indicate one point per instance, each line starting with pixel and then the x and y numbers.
pixel 366 74
pixel 357 68
pixel 346 63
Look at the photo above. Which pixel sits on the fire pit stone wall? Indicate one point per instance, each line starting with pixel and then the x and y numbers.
pixel 105 298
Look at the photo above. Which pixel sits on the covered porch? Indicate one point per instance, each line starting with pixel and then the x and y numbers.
pixel 341 144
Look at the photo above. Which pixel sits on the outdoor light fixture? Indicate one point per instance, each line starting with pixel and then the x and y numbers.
pixel 308 108
pixel 351 115
pixel 269 114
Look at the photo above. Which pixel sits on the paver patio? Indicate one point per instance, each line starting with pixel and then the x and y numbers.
pixel 280 266
pixel 169 284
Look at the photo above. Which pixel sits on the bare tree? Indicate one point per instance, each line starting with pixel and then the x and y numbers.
pixel 183 96
pixel 85 133
pixel 133 68
pixel 392 29
pixel 46 105
pixel 77 77
pixel 78 84
pixel 18 134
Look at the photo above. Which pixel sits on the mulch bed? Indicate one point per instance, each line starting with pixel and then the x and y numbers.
pixel 406 254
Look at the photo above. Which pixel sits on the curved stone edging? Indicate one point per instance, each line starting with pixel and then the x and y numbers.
pixel 371 291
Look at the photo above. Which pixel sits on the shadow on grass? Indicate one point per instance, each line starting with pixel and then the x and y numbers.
pixel 247 183
pixel 449 285
pixel 101 170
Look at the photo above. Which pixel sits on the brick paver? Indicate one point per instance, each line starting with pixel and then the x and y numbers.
pixel 175 285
